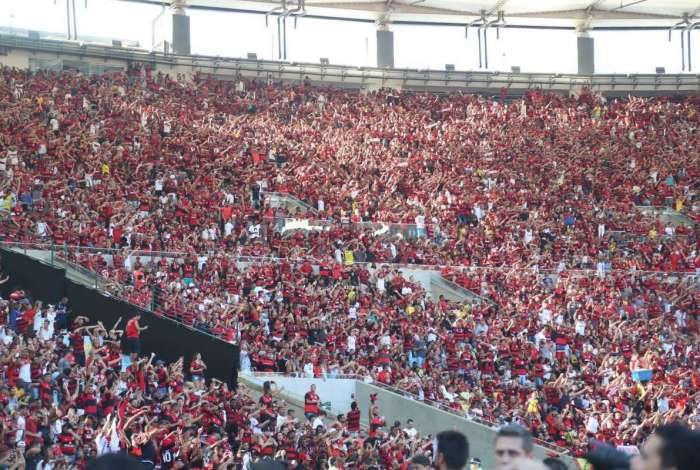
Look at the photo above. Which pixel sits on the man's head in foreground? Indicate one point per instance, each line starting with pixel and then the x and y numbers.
pixel 419 462
pixel 452 450
pixel 512 442
pixel 670 447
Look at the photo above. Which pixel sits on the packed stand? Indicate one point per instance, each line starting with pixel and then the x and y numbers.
pixel 142 160
pixel 558 353
pixel 546 185
pixel 70 393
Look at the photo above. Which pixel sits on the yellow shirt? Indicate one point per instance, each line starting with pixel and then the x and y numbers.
pixel 7 203
pixel 679 204
pixel 532 405
pixel 349 257
pixel 105 169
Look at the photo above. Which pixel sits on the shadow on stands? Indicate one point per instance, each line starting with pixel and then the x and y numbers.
pixel 167 338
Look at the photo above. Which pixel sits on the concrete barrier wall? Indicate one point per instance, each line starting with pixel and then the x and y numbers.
pixel 431 420
pixel 338 392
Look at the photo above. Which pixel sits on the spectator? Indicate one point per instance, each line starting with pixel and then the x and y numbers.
pixel 419 462
pixel 133 334
pixel 311 403
pixel 512 442
pixel 553 463
pixel 452 451
pixel 670 447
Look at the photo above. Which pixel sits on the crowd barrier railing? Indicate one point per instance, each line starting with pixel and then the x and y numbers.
pixel 484 421
pixel 67 249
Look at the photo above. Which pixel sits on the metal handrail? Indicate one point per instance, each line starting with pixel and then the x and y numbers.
pixel 262 259
pixel 435 404
pixel 71 265
pixel 293 198
pixel 453 285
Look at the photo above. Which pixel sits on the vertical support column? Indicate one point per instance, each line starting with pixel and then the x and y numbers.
pixel 385 47
pixel 585 52
pixel 181 33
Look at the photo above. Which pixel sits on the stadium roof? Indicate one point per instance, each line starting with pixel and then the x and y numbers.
pixel 579 13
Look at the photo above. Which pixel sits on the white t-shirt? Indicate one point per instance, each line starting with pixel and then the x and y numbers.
pixel 25 372
pixel 381 285
pixel 228 228
pixel 38 321
pixel 592 425
pixel 681 317
pixel 338 255
pixel 545 316
pixel 318 422
pixel 21 426
pixel 45 334
pixel 254 231
pixel 42 229
pixel 351 343
pixel 309 369
pixel 44 465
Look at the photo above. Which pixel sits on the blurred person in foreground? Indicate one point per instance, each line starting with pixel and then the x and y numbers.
pixel 452 451
pixel 419 462
pixel 554 463
pixel 670 447
pixel 512 442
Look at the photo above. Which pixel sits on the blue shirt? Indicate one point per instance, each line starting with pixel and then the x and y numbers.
pixel 14 313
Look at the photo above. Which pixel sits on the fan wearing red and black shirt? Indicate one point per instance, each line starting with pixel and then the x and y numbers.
pixel 68 440
pixel 375 422
pixel 133 333
pixel 311 401
pixel 353 419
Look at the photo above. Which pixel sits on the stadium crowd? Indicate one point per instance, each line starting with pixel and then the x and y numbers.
pixel 70 393
pixel 556 353
pixel 72 398
pixel 141 160
pixel 523 194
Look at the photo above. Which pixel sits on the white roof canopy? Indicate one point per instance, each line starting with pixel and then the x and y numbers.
pixel 579 13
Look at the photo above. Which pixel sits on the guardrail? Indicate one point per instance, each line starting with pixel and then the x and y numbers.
pixel 263 259
pixel 670 212
pixel 401 411
pixel 276 199
pixel 365 76
pixel 97 282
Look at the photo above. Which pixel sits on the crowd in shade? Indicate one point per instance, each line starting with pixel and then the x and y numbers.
pixel 586 322
pixel 557 354
pixel 73 398
pixel 72 391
